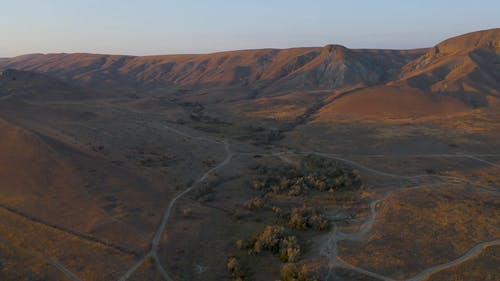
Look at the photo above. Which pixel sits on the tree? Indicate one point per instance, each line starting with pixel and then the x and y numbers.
pixel 254 203
pixel 296 220
pixel 289 249
pixel 233 265
pixel 289 272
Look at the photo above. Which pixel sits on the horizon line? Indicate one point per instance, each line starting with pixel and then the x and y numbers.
pixel 188 53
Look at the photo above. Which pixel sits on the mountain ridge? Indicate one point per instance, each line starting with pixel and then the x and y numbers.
pixel 233 67
pixel 466 67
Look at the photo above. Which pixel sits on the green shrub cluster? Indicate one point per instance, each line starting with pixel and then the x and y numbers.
pixel 273 239
pixel 314 173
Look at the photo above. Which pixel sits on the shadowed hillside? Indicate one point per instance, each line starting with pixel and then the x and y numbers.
pixel 32 85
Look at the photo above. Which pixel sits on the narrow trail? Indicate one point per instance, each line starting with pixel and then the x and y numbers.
pixel 68 273
pixel 410 177
pixel 155 242
pixel 484 161
pixel 330 247
pixel 472 253
pixel 161 228
pixel 365 228
pixel 75 234
pixel 341 158
pixel 71 275
pixel 425 274
pixel 330 251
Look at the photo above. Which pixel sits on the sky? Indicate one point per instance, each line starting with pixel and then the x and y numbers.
pixel 148 27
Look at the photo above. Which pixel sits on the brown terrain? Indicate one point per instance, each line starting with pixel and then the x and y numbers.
pixel 302 164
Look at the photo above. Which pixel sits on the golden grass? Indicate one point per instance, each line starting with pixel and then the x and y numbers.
pixel 88 260
pixel 422 227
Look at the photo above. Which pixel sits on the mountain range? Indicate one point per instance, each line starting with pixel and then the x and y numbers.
pixel 461 72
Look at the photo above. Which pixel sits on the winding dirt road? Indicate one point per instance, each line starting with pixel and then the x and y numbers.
pixel 329 249
pixel 472 253
pixel 425 274
pixel 161 228
pixel 420 176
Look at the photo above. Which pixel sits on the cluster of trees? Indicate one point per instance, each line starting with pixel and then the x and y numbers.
pixel 314 173
pixel 291 272
pixel 307 218
pixel 272 239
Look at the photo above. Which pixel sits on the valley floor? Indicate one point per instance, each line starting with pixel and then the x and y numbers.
pixel 118 189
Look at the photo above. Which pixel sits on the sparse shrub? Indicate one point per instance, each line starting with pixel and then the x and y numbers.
pixel 258 184
pixel 240 244
pixel 296 190
pixel 276 188
pixel 187 212
pixel 318 222
pixel 150 261
pixel 305 275
pixel 276 210
pixel 254 203
pixel 257 247
pixel 270 237
pixel 233 265
pixel 235 269
pixel 296 220
pixel 290 272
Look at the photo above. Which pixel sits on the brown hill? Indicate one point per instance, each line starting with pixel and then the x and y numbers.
pixel 456 75
pixel 327 67
pixel 463 71
pixel 393 102
pixel 50 180
pixel 35 177
pixel 463 65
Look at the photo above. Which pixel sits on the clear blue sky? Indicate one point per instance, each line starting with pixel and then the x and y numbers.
pixel 193 26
